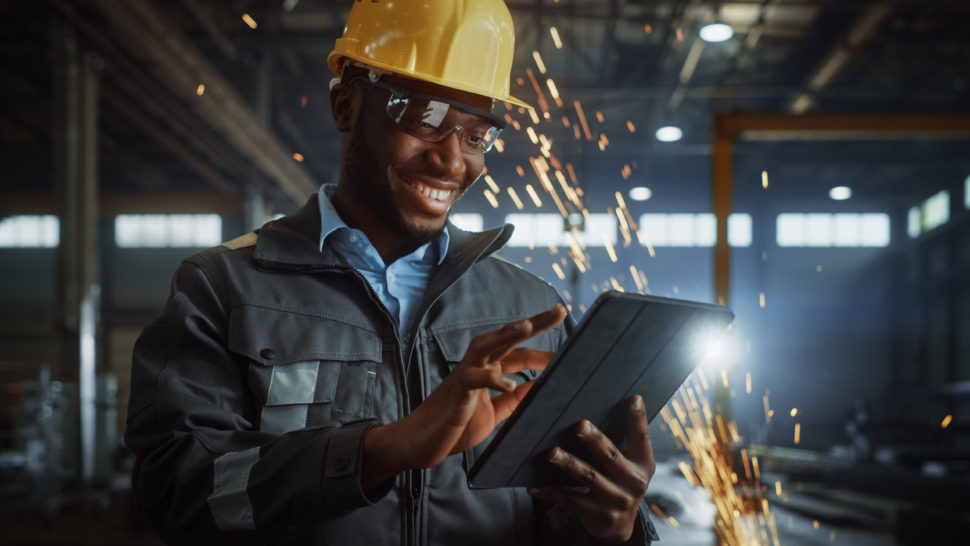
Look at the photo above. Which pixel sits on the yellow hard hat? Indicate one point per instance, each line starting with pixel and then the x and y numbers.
pixel 461 44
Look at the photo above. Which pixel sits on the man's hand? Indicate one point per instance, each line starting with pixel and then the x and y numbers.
pixel 460 413
pixel 608 511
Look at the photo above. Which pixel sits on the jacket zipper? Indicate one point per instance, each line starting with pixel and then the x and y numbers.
pixel 412 481
pixel 413 478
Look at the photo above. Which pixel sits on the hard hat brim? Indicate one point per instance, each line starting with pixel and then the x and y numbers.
pixel 336 61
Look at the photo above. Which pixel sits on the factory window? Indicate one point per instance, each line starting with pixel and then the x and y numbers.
pixel 167 230
pixel 539 230
pixel 833 230
pixel 739 229
pixel 935 211
pixel 966 193
pixel 930 214
pixel 468 221
pixel 686 229
pixel 40 231
pixel 914 223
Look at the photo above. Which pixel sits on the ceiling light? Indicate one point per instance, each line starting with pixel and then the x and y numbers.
pixel 840 193
pixel 716 32
pixel 640 193
pixel 669 133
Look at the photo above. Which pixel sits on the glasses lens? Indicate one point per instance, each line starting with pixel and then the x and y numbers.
pixel 433 120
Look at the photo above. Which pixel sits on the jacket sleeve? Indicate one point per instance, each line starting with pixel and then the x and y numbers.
pixel 202 467
pixel 559 527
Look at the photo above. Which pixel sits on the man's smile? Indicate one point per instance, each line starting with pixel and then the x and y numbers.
pixel 430 199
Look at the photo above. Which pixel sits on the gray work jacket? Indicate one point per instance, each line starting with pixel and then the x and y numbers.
pixel 252 393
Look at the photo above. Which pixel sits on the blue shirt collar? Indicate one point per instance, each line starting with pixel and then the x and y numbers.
pixel 331 222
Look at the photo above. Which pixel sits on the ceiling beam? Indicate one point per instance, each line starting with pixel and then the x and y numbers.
pixel 147 35
pixel 840 126
pixel 863 28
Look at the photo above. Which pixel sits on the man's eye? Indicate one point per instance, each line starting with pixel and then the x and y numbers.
pixel 419 125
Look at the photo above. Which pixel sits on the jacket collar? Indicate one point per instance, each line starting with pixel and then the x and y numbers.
pixel 293 242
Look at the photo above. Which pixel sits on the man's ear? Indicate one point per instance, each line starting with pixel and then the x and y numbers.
pixel 343 107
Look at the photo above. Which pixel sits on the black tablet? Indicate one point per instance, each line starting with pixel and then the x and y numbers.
pixel 626 344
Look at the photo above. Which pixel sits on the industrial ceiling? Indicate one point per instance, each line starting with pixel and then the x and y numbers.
pixel 228 97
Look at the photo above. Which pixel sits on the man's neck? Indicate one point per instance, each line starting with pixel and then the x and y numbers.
pixel 388 243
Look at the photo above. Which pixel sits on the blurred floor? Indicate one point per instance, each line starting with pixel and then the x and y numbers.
pixel 77 524
pixel 690 507
pixel 690 515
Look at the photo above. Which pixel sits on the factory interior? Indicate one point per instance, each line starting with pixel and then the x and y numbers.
pixel 804 162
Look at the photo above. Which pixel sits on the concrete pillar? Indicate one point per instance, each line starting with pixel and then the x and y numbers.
pixel 75 115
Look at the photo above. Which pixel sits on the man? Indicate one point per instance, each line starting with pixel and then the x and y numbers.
pixel 326 380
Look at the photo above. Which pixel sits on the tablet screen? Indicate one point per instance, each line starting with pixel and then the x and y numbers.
pixel 626 344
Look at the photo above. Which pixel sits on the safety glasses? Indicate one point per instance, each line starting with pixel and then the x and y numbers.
pixel 432 119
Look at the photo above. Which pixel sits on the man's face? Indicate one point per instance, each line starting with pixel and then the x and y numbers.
pixel 409 184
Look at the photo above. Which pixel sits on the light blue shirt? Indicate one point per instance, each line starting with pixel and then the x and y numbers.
pixel 400 286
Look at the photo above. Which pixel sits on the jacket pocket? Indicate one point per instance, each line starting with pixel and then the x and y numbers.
pixel 448 345
pixel 450 342
pixel 305 369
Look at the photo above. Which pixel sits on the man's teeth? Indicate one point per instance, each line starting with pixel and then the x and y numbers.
pixel 437 195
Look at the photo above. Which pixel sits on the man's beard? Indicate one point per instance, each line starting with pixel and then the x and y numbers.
pixel 371 188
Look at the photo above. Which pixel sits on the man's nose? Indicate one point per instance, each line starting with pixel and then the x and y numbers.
pixel 447 157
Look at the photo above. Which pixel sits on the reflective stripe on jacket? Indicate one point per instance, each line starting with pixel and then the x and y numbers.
pixel 252 393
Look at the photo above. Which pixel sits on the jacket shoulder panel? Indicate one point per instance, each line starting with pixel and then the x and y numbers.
pixel 248 239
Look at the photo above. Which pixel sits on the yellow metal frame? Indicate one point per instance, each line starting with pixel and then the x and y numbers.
pixel 728 127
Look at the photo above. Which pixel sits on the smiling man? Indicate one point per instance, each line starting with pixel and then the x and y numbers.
pixel 330 378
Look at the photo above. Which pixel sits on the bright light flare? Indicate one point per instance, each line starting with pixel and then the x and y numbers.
pixel 716 32
pixel 533 195
pixel 491 183
pixel 539 63
pixel 669 133
pixel 515 198
pixel 582 120
pixel 491 198
pixel 555 37
pixel 714 350
pixel 552 89
pixel 840 193
pixel 200 89
pixel 250 22
pixel 640 193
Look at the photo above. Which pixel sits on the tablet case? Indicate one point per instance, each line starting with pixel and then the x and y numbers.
pixel 626 344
